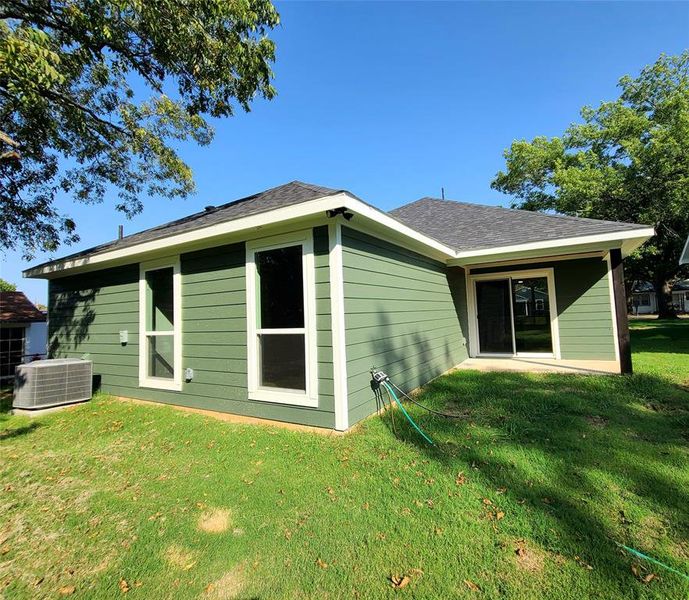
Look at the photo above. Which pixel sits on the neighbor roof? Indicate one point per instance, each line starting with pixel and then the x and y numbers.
pixel 465 226
pixel 288 194
pixel 15 307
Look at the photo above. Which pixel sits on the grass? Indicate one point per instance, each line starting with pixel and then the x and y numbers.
pixel 524 496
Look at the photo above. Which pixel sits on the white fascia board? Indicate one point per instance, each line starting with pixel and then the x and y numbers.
pixel 627 240
pixel 284 215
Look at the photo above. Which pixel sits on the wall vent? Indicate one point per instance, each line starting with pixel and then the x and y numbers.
pixel 53 382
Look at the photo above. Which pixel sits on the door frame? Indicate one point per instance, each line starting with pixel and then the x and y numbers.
pixel 474 343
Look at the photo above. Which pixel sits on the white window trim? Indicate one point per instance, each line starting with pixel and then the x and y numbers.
pixel 474 344
pixel 160 383
pixel 309 398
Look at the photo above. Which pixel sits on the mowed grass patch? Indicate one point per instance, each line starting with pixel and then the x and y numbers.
pixel 524 495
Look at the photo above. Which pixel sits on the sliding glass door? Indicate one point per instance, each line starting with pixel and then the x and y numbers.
pixel 513 315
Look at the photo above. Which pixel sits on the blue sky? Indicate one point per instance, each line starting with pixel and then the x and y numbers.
pixel 395 100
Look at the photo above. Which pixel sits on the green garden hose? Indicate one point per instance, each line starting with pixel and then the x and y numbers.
pixel 388 387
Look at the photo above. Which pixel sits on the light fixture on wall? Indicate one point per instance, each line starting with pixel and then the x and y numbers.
pixel 339 211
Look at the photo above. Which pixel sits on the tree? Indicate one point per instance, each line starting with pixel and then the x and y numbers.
pixel 6 286
pixel 96 95
pixel 627 161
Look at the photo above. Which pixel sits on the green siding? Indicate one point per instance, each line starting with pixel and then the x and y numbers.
pixel 400 316
pixel 585 317
pixel 88 311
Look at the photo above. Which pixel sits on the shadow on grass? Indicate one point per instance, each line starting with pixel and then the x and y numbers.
pixel 593 460
pixel 661 336
pixel 8 434
pixel 581 450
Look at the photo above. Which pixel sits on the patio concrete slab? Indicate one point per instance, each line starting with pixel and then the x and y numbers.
pixel 542 365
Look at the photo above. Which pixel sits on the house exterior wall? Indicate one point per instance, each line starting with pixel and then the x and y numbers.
pixel 400 316
pixel 88 311
pixel 585 317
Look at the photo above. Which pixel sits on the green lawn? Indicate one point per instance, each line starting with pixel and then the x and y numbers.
pixel 524 496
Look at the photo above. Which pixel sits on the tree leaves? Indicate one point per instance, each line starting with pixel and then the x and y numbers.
pixel 627 161
pixel 67 98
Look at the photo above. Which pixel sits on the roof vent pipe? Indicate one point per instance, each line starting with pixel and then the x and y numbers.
pixel 120 232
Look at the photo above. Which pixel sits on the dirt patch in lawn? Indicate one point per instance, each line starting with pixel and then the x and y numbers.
pixel 596 421
pixel 228 586
pixel 180 557
pixel 529 558
pixel 215 521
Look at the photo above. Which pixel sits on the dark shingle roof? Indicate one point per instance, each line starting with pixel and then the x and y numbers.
pixel 288 194
pixel 465 226
pixel 15 307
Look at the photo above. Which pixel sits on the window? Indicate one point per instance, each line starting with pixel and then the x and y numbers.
pixel 160 326
pixel 280 324
pixel 644 299
pixel 11 350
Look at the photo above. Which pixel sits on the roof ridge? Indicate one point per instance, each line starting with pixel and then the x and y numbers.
pixel 519 210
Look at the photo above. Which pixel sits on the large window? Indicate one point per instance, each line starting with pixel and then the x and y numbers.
pixel 280 320
pixel 160 344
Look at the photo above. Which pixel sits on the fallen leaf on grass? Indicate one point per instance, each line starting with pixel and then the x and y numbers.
pixel 472 586
pixel 499 515
pixel 322 564
pixel 67 590
pixel 460 479
pixel 583 564
pixel 487 502
pixel 124 586
pixel 650 577
pixel 398 582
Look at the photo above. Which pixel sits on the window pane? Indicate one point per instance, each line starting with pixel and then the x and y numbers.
pixel 532 331
pixel 281 288
pixel 161 354
pixel 11 349
pixel 283 361
pixel 160 300
pixel 494 325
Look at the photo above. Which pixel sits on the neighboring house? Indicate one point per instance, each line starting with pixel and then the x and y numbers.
pixel 680 295
pixel 23 332
pixel 645 299
pixel 279 304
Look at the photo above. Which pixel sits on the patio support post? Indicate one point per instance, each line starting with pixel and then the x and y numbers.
pixel 623 340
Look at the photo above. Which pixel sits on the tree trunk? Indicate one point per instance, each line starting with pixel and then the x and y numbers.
pixel 664 297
